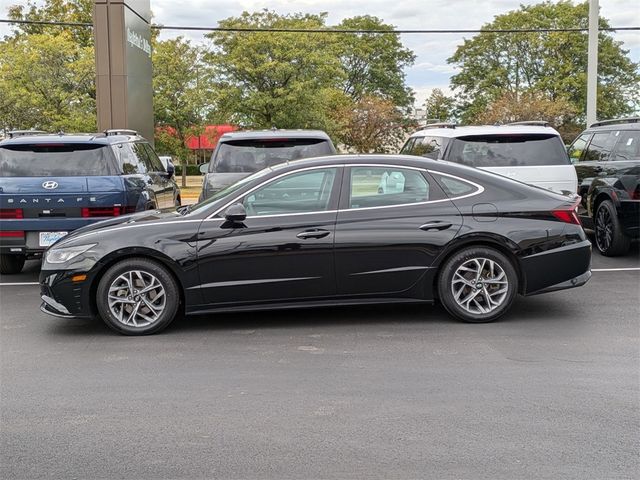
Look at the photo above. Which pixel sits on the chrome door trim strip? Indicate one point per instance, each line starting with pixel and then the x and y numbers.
pixel 236 283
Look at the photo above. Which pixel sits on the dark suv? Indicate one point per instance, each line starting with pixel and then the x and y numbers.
pixel 239 154
pixel 607 160
pixel 53 184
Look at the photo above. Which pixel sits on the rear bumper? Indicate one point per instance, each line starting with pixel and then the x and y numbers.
pixel 564 267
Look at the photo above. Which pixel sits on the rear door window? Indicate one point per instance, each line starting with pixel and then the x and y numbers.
pixel 600 147
pixel 387 186
pixel 56 159
pixel 430 147
pixel 516 150
pixel 248 156
pixel 628 147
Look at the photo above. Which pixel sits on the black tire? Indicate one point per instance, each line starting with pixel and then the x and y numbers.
pixel 148 268
pixel 487 294
pixel 11 264
pixel 610 239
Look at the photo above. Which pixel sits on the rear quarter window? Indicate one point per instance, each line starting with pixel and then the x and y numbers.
pixel 456 187
pixel 508 150
pixel 427 146
pixel 56 160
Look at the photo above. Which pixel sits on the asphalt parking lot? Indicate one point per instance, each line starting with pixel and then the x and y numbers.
pixel 551 391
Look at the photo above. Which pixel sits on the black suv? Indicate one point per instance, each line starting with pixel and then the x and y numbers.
pixel 607 161
pixel 51 185
pixel 239 154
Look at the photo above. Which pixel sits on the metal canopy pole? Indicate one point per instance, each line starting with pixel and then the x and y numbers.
pixel 592 62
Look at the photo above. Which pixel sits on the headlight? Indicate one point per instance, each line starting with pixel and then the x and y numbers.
pixel 64 254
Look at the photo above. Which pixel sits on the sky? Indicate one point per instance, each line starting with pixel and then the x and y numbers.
pixel 430 69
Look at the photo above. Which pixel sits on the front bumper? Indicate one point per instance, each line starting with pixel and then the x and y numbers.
pixel 62 297
pixel 568 266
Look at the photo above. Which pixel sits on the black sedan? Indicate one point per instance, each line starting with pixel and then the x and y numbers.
pixel 325 231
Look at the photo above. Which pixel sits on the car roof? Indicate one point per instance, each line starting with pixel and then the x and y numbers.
pixel 90 138
pixel 263 134
pixel 468 130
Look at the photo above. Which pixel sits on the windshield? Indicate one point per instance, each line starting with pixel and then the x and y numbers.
pixel 247 156
pixel 508 150
pixel 56 159
pixel 225 192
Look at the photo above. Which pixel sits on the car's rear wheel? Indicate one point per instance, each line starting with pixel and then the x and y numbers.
pixel 477 284
pixel 610 239
pixel 137 297
pixel 10 264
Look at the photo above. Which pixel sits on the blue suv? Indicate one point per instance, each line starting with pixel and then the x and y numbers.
pixel 53 184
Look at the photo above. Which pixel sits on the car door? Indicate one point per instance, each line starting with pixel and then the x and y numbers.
pixel 393 222
pixel 282 251
pixel 592 164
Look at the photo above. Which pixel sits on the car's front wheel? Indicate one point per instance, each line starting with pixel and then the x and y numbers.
pixel 477 284
pixel 10 264
pixel 137 297
pixel 610 239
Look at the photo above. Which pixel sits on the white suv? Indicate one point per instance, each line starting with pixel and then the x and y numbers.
pixel 531 152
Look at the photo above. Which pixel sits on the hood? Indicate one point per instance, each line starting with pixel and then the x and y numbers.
pixel 140 217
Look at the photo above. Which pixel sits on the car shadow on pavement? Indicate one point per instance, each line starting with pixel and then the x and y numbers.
pixel 531 310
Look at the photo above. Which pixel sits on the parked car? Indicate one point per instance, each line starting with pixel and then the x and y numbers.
pixel 239 154
pixel 607 161
pixel 320 232
pixel 531 152
pixel 51 185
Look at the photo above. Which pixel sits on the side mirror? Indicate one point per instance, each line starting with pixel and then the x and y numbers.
pixel 235 213
pixel 171 169
pixel 204 168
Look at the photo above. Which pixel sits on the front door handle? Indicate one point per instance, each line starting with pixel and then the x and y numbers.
pixel 315 233
pixel 435 226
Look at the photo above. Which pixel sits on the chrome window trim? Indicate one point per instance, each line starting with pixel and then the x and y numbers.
pixel 479 190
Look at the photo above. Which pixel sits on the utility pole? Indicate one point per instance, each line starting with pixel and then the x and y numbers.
pixel 592 62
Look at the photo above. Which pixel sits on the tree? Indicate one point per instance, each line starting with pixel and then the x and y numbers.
pixel 182 94
pixel 374 63
pixel 266 79
pixel 553 64
pixel 47 82
pixel 80 11
pixel 439 106
pixel 371 125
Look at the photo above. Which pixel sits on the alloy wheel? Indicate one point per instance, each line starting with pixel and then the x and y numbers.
pixel 480 285
pixel 604 229
pixel 136 298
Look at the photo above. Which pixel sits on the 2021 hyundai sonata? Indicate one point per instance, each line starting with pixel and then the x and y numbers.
pixel 325 231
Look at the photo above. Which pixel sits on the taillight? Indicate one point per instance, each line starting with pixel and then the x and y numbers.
pixel 88 212
pixel 6 213
pixel 12 233
pixel 568 214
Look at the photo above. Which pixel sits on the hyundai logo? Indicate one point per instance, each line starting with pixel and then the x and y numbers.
pixel 50 185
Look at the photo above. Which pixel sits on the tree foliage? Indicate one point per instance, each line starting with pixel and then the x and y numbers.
pixel 47 82
pixel 182 94
pixel 275 79
pixel 439 106
pixel 371 125
pixel 374 63
pixel 552 64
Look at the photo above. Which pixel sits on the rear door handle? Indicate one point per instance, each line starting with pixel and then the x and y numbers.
pixel 315 233
pixel 435 226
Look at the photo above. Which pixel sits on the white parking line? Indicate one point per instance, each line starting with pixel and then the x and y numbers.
pixel 17 284
pixel 630 269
